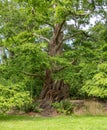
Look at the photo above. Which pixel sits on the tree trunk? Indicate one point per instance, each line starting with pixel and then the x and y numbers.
pixel 54 90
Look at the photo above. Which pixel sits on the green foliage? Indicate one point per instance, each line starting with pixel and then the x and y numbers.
pixel 32 107
pixel 64 106
pixel 13 95
pixel 97 86
pixel 27 28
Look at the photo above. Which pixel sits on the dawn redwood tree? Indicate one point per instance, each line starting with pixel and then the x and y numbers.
pixel 54 22
pixel 58 13
pixel 55 15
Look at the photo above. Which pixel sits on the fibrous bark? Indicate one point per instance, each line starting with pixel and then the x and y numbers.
pixel 55 90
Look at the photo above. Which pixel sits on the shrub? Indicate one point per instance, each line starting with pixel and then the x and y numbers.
pixel 64 106
pixel 13 95
pixel 97 86
pixel 32 107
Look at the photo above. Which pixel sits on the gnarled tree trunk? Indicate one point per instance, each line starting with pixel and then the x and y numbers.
pixel 55 90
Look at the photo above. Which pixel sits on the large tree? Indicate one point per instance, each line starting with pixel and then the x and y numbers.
pixel 54 26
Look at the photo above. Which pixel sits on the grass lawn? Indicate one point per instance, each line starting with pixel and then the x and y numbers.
pixel 53 123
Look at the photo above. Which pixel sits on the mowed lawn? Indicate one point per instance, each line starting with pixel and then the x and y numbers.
pixel 53 123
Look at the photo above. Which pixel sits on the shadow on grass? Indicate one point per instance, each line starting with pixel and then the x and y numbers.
pixel 34 118
pixel 20 117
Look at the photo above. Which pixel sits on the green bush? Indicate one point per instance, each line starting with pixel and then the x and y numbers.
pixel 13 95
pixel 64 106
pixel 32 107
pixel 97 86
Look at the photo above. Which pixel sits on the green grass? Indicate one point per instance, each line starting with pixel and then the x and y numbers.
pixel 53 123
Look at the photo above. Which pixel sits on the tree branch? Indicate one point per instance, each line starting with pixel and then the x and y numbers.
pixel 59 29
pixel 62 68
pixel 41 37
pixel 49 24
pixel 73 35
pixel 33 75
pixel 59 69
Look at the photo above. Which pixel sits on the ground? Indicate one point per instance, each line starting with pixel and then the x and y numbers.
pixel 53 123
